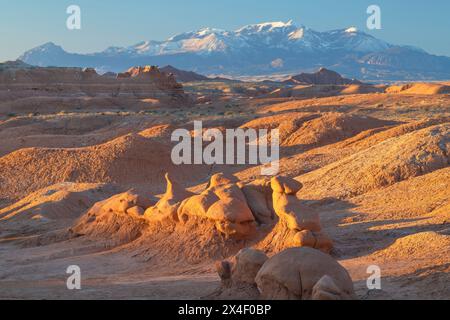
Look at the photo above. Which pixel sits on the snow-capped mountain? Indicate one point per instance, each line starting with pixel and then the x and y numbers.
pixel 265 48
pixel 271 35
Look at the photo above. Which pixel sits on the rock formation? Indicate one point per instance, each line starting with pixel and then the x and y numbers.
pixel 322 76
pixel 182 75
pixel 118 219
pixel 167 207
pixel 224 203
pixel 304 273
pixel 298 225
pixel 238 275
pixel 21 81
pixel 294 274
pixel 259 198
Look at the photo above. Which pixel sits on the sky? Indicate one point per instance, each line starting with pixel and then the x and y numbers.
pixel 25 24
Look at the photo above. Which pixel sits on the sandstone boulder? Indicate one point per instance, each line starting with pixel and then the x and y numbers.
pixel 238 275
pixel 122 203
pixel 298 274
pixel 247 264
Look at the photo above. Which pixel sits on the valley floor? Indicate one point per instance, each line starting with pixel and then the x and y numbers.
pixel 376 166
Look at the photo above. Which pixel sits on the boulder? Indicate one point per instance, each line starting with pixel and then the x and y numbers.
pixel 298 274
pixel 238 275
pixel 247 264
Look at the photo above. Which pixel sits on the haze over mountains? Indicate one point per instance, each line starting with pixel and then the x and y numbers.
pixel 262 49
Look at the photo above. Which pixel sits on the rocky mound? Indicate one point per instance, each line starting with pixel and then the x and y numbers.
pixel 184 76
pixel 303 274
pixel 420 88
pixel 381 165
pixel 322 76
pixel 120 217
pixel 425 196
pixel 314 129
pixel 361 89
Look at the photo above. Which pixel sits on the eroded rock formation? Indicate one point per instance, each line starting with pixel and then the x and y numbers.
pixel 304 273
pixel 225 204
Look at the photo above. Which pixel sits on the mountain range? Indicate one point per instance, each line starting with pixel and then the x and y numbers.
pixel 261 49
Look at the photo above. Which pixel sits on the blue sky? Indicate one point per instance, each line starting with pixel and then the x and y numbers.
pixel 25 24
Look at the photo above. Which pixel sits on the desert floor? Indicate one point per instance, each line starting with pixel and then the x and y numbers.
pixel 376 167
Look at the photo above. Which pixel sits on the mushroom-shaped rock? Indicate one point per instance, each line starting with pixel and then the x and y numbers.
pixel 317 240
pixel 285 185
pixel 167 207
pixel 233 217
pixel 293 273
pixel 259 198
pixel 197 205
pixel 223 203
pixel 289 208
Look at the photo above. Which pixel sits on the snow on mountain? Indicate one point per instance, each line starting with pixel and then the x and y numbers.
pixel 277 35
pixel 262 48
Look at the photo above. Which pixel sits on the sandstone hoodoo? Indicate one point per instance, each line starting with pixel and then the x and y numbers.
pixel 231 210
pixel 225 204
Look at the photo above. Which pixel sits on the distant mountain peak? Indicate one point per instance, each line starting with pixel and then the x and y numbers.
pixel 253 49
pixel 351 30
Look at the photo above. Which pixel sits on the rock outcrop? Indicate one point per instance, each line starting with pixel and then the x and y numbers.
pixel 238 274
pixel 224 203
pixel 117 219
pixel 167 207
pixel 21 81
pixel 298 225
pixel 322 76
pixel 264 213
pixel 293 274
